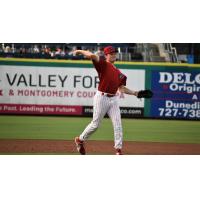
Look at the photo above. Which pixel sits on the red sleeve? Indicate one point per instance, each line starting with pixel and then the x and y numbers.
pixel 123 79
pixel 99 65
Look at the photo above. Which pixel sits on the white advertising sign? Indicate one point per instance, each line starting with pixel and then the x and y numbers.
pixel 60 86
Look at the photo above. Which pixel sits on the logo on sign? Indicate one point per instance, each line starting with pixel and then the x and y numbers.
pixel 179 81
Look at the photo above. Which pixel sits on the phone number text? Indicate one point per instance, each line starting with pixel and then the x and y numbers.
pixel 173 112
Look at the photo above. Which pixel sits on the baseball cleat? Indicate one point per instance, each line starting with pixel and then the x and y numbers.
pixel 118 152
pixel 79 146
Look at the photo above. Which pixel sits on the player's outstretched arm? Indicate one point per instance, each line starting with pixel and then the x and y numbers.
pixel 87 54
pixel 140 94
pixel 125 90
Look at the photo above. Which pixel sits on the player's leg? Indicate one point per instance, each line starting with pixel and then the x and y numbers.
pixel 115 116
pixel 100 108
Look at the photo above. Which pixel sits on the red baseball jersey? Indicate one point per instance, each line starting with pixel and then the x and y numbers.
pixel 110 77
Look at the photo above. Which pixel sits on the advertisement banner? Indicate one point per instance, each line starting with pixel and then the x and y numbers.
pixel 176 94
pixel 125 111
pixel 40 109
pixel 51 87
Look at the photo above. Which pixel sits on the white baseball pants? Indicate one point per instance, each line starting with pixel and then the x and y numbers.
pixel 102 105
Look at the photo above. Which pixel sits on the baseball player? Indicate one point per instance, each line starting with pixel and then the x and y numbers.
pixel 105 99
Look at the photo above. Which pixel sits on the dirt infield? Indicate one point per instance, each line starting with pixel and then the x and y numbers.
pixel 95 147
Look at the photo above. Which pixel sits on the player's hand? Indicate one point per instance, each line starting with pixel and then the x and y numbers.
pixel 145 94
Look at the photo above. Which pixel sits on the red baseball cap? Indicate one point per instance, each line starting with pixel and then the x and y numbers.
pixel 109 50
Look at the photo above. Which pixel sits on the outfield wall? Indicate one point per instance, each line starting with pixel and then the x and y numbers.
pixel 49 87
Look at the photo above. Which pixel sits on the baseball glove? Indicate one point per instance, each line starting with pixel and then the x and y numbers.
pixel 145 94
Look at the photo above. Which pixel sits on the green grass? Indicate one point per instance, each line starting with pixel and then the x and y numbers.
pixel 66 128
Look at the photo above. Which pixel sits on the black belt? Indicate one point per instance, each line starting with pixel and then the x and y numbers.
pixel 108 95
